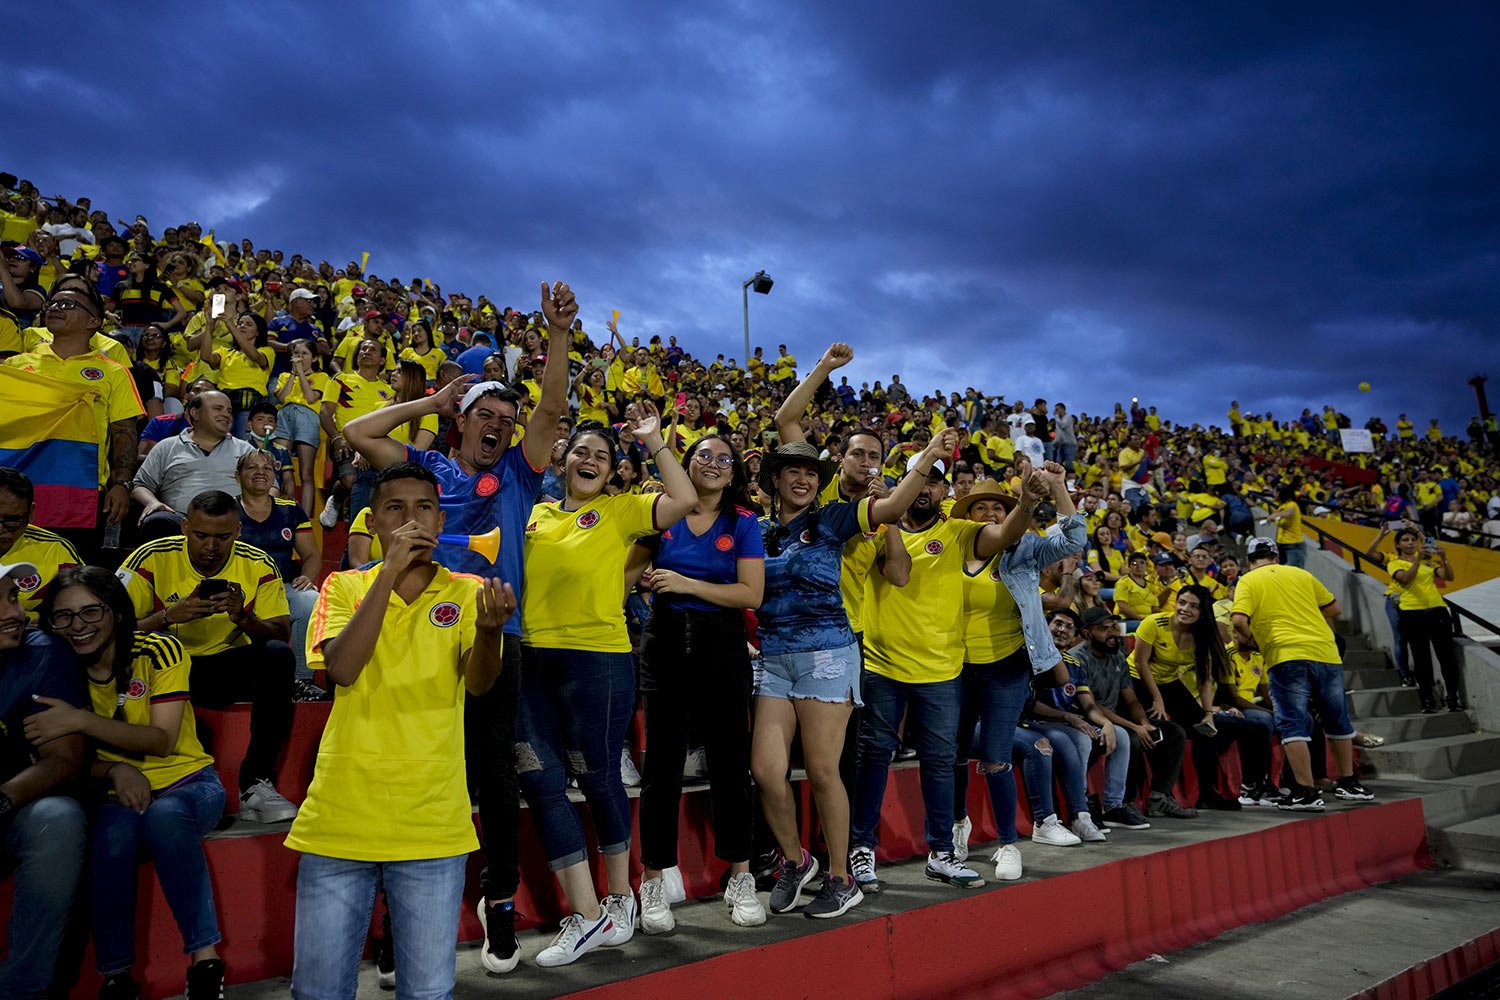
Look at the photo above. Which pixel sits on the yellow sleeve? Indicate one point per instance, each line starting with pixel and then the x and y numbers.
pixel 142 594
pixel 335 607
pixel 270 595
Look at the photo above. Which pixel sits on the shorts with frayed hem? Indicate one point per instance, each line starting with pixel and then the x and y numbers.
pixel 827 675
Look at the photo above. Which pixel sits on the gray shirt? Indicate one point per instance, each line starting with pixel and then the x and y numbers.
pixel 1065 433
pixel 1107 675
pixel 177 470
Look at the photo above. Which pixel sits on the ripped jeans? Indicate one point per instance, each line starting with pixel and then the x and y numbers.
pixel 993 696
pixel 574 710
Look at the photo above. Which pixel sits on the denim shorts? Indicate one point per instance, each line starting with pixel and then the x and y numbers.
pixel 830 675
pixel 1293 684
pixel 295 422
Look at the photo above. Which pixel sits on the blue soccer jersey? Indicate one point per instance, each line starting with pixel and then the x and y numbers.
pixel 712 557
pixel 804 607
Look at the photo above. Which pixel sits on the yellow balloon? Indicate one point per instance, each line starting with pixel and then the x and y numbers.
pixel 1364 387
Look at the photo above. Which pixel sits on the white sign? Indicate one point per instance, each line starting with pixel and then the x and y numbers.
pixel 1356 440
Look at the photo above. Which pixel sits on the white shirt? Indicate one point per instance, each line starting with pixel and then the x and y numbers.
pixel 1017 422
pixel 1031 447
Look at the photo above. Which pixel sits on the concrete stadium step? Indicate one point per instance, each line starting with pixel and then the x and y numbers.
pixel 1452 801
pixel 1403 728
pixel 1379 702
pixel 1471 753
pixel 1369 678
pixel 1355 659
pixel 1475 843
pixel 1356 641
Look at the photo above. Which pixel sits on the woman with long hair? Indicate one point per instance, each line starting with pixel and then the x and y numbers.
pixel 594 401
pixel 1103 558
pixel 1425 622
pixel 143 298
pixel 578 679
pixel 299 393
pixel 156 375
pixel 409 381
pixel 242 370
pixel 419 348
pixel 1180 661
pixel 160 793
pixel 696 678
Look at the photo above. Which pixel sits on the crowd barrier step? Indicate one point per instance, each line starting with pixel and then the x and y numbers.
pixel 1471 753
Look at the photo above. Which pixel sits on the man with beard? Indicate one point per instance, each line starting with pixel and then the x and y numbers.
pixel 1102 655
pixel 489 483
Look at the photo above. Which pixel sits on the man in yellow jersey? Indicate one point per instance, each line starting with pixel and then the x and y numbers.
pixel 914 657
pixel 23 542
pixel 1284 611
pixel 1288 519
pixel 225 602
pixel 389 804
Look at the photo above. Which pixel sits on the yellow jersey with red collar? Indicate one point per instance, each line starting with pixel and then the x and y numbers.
pixel 914 634
pixel 159 669
pixel 50 553
pixel 353 395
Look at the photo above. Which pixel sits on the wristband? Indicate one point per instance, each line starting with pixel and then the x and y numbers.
pixel 658 451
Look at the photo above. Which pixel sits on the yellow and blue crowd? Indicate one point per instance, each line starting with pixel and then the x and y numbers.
pixel 778 566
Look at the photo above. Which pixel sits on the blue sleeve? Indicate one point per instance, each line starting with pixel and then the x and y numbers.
pixel 515 463
pixel 748 541
pixel 57 674
pixel 840 519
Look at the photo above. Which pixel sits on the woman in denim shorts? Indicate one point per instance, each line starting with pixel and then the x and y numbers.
pixel 299 393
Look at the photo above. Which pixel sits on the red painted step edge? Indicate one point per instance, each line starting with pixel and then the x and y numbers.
pixel 1439 972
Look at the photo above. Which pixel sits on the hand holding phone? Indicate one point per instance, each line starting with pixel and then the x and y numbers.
pixel 216 309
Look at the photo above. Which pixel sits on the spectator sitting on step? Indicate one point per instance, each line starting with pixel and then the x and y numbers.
pixel 23 542
pixel 200 459
pixel 224 600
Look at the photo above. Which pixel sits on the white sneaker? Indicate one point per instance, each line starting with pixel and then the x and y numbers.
pixel 576 938
pixel 947 868
pixel 1007 863
pixel 862 867
pixel 330 516
pixel 695 768
pixel 264 804
pixel 676 891
pixel 1051 831
pixel 745 907
pixel 622 913
pixel 629 776
pixel 656 912
pixel 961 831
pixel 1084 828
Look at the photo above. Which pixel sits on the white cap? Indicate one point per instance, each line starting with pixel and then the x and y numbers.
pixel 20 570
pixel 479 389
pixel 939 466
pixel 301 293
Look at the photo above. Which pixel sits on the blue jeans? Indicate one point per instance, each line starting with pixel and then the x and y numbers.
pixel 301 603
pixel 1070 760
pixel 171 833
pixel 1065 454
pixel 335 900
pixel 359 493
pixel 934 713
pixel 1393 615
pixel 1296 554
pixel 575 708
pixel 1116 765
pixel 1292 687
pixel 993 696
pixel 1036 765
pixel 45 844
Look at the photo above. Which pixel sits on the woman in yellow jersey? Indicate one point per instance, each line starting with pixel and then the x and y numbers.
pixel 1426 622
pixel 300 393
pixel 243 369
pixel 420 349
pixel 163 792
pixel 593 396
pixel 1104 559
pixel 409 381
pixel 578 680
pixel 1178 667
pixel 1288 518
pixel 155 354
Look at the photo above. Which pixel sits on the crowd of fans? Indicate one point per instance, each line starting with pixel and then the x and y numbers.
pixel 783 571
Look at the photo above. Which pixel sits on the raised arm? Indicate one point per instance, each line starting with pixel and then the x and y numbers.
pixel 999 537
pixel 681 496
pixel 370 435
pixel 560 309
pixel 1373 552
pixel 889 509
pixel 789 416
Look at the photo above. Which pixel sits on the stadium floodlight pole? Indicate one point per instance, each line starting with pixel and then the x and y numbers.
pixel 761 282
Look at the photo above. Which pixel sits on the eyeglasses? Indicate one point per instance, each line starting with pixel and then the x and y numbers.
pixel 709 458
pixel 65 305
pixel 89 614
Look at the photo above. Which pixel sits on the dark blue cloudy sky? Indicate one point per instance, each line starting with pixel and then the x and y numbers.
pixel 1185 202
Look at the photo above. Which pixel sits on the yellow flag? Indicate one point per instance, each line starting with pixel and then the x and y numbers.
pixel 209 242
pixel 364 260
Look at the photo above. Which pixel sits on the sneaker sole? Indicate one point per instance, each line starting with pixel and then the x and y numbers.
pixel 1306 807
pixel 960 883
pixel 256 816
pixel 754 920
pixel 386 981
pixel 653 927
pixel 491 962
pixel 812 873
pixel 598 942
pixel 853 901
pixel 1353 797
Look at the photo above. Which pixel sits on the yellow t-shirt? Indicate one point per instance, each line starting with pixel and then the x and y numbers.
pixel 112 386
pixel 317 381
pixel 346 352
pixel 49 553
pixel 394 742
pixel 237 370
pixel 428 361
pixel 915 634
pixel 1216 589
pixel 1289 529
pixel 1422 592
pixel 1215 470
pixel 575 571
pixel 1139 598
pixel 591 404
pixel 1248 670
pixel 35 335
pixel 159 574
pixel 361 526
pixel 427 422
pixel 159 671
pixel 353 396
pixel 1282 603
pixel 1169 662
pixel 992 621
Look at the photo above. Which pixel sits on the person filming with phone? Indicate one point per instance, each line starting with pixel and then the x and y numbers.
pixel 225 602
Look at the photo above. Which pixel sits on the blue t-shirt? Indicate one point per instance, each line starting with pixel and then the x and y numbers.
pixel 803 609
pixel 276 535
pixel 474 504
pixel 168 425
pixel 472 360
pixel 1064 697
pixel 712 557
pixel 286 330
pixel 42 665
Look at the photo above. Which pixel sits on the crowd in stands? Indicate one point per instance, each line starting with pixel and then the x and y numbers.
pixel 781 568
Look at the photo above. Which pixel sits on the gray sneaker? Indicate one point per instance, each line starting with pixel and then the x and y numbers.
pixel 835 898
pixel 791 879
pixel 1165 805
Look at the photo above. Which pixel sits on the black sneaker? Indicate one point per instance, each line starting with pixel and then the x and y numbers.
pixel 205 980
pixel 1128 817
pixel 120 987
pixel 1213 800
pixel 1350 789
pixel 791 879
pixel 1302 800
pixel 835 898
pixel 500 953
pixel 303 689
pixel 1161 804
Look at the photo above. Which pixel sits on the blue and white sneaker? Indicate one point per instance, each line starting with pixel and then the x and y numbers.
pixel 576 938
pixel 791 879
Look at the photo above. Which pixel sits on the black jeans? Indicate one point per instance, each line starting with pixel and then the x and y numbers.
pixel 490 760
pixel 260 673
pixel 1165 757
pixel 695 675
pixel 1424 631
pixel 1253 741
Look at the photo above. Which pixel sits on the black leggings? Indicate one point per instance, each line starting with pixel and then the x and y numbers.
pixel 490 759
pixel 1254 742
pixel 1426 630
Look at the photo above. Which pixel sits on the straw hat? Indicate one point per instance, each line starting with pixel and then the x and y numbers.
pixel 986 490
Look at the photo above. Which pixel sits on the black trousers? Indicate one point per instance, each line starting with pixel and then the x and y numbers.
pixel 1424 631
pixel 1165 758
pixel 260 673
pixel 695 678
pixel 490 761
pixel 1253 741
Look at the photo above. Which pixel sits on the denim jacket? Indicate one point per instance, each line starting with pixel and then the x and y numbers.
pixel 1021 572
